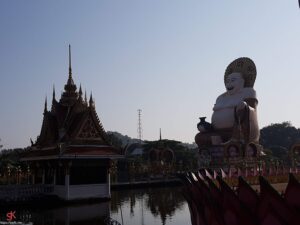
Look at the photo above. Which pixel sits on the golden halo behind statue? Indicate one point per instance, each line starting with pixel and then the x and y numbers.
pixel 246 67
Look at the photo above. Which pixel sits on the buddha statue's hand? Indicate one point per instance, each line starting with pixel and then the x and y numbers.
pixel 240 111
pixel 241 106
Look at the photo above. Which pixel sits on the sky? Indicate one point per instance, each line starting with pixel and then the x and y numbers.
pixel 165 57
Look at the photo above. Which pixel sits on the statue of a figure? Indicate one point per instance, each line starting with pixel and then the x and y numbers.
pixel 234 117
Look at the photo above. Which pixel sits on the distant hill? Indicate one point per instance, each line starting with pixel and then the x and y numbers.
pixel 121 140
pixel 189 145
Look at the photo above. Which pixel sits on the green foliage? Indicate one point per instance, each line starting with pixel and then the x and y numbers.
pixel 279 134
pixel 119 140
pixel 114 139
pixel 10 157
pixel 279 138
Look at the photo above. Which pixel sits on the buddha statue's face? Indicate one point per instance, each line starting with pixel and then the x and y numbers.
pixel 234 83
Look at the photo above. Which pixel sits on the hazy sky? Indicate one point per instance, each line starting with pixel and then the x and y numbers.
pixel 166 57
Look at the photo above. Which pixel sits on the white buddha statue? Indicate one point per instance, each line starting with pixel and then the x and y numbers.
pixel 234 115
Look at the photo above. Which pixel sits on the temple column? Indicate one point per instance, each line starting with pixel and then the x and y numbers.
pixel 67 186
pixel 108 182
pixel 43 175
pixel 34 170
pixel 33 179
pixel 54 176
pixel 67 181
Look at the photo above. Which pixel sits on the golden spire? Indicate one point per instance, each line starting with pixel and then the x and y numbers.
pixel 160 134
pixel 70 78
pixel 70 95
pixel 70 65
pixel 91 100
pixel 85 98
pixel 45 107
pixel 80 91
pixel 53 93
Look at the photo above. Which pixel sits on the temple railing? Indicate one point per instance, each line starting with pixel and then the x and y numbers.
pixel 24 192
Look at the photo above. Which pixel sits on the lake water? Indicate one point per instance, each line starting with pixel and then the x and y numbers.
pixel 151 206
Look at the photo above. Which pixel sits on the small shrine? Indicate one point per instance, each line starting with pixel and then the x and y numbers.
pixel 294 155
pixel 161 153
pixel 72 152
pixel 161 158
pixel 231 140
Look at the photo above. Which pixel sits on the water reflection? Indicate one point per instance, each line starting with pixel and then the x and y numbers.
pixel 153 206
pixel 150 206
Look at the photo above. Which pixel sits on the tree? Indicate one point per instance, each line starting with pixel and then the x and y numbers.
pixel 279 134
pixel 279 138
pixel 117 139
pixel 114 139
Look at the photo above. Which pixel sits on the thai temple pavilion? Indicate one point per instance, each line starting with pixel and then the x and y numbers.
pixel 72 152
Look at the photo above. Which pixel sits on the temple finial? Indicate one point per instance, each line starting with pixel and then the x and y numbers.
pixel 91 100
pixel 80 91
pixel 53 93
pixel 85 98
pixel 160 134
pixel 45 108
pixel 70 65
pixel 53 100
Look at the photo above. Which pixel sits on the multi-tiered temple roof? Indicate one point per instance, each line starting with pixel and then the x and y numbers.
pixel 72 126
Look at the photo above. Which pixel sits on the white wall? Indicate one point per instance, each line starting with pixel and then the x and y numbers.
pixel 82 191
pixel 60 191
pixel 89 191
